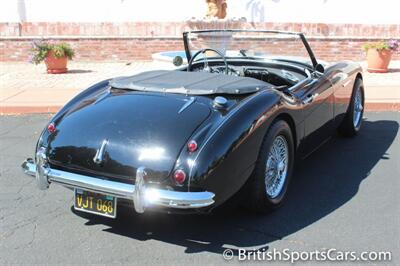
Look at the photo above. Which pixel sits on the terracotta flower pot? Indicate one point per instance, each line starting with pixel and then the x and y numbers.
pixel 378 60
pixel 56 65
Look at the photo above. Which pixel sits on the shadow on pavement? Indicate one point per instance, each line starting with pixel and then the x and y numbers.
pixel 394 70
pixel 79 71
pixel 321 184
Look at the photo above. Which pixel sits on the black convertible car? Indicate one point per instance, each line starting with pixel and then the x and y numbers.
pixel 229 122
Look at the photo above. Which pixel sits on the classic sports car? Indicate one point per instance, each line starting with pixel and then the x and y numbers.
pixel 229 122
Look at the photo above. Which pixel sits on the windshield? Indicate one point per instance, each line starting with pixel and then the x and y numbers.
pixel 248 43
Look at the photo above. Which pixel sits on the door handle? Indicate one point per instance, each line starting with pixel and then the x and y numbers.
pixel 346 83
pixel 310 98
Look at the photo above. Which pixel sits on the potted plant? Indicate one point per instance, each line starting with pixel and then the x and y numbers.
pixel 379 55
pixel 55 56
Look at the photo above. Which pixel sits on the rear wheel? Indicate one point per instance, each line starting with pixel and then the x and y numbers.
pixel 268 184
pixel 354 116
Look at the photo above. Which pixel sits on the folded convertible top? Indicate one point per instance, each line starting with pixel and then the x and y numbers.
pixel 174 81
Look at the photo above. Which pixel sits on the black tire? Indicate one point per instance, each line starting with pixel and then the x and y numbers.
pixel 348 127
pixel 257 198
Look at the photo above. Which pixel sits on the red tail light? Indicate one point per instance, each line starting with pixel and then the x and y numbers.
pixel 192 146
pixel 51 128
pixel 179 176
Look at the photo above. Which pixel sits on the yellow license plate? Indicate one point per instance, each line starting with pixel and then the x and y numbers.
pixel 95 203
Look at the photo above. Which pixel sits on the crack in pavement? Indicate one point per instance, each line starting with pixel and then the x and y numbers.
pixel 33 235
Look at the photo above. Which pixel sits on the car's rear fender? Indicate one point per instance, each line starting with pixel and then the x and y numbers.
pixel 96 88
pixel 227 154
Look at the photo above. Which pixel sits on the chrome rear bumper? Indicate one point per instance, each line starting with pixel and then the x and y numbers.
pixel 141 195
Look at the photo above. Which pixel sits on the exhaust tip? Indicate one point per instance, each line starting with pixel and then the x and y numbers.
pixel 29 167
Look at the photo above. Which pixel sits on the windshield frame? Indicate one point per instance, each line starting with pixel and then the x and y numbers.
pixel 299 34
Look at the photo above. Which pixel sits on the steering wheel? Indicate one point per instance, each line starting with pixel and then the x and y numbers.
pixel 203 51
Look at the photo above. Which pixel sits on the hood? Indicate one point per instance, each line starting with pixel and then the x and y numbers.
pixel 128 129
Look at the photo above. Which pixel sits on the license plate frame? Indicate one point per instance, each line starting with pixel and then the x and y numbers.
pixel 92 205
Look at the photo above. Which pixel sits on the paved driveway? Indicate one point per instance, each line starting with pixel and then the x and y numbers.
pixel 346 196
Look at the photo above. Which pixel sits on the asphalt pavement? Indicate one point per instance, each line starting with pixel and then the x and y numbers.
pixel 344 197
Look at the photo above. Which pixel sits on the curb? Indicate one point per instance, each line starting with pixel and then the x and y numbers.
pixel 382 107
pixel 14 110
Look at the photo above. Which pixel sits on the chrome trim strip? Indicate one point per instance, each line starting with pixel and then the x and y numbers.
pixel 98 158
pixel 346 83
pixel 187 104
pixel 138 193
pixel 116 189
pixel 174 199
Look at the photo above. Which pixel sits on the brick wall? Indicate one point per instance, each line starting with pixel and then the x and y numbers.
pixel 138 40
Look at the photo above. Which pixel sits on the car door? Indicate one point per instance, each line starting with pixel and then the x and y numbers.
pixel 318 105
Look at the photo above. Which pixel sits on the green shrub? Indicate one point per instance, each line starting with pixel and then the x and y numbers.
pixel 392 45
pixel 40 51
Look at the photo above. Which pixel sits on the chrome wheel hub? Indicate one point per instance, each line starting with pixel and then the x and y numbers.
pixel 358 109
pixel 276 167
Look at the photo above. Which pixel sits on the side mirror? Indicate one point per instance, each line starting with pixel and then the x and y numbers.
pixel 320 68
pixel 177 61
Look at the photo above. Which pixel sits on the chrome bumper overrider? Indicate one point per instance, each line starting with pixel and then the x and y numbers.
pixel 141 195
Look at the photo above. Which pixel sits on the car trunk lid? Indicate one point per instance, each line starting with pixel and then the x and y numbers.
pixel 128 129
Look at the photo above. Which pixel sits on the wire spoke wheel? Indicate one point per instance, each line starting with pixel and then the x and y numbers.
pixel 358 108
pixel 276 167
